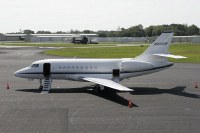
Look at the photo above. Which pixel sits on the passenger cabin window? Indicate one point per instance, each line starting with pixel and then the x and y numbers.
pixel 73 67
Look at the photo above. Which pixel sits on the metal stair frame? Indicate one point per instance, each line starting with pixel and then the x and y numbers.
pixel 46 85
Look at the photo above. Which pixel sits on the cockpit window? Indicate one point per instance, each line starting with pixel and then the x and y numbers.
pixel 35 65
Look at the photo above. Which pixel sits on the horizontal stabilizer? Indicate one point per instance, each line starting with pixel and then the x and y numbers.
pixel 171 56
pixel 108 83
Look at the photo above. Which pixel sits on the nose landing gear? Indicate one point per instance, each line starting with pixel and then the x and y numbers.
pixel 41 86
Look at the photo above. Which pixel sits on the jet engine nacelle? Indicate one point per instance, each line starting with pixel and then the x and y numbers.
pixel 130 65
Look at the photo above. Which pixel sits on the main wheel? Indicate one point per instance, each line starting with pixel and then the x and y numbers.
pixel 99 88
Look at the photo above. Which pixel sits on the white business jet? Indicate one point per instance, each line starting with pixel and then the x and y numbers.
pixel 103 72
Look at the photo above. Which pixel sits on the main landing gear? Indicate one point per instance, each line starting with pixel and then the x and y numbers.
pixel 99 88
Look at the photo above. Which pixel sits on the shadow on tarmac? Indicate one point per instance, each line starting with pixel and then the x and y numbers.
pixel 113 96
pixel 179 90
pixel 108 94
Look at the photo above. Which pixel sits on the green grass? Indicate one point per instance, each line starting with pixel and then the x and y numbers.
pixel 63 44
pixel 123 43
pixel 191 51
pixel 101 52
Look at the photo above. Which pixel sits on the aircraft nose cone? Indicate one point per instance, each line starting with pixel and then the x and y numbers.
pixel 22 72
pixel 17 74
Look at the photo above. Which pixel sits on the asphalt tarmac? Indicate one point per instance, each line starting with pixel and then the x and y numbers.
pixel 164 102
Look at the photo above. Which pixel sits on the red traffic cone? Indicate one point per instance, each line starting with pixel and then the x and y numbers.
pixel 7 86
pixel 130 104
pixel 196 85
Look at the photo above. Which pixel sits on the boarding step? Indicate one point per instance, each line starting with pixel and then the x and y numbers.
pixel 46 85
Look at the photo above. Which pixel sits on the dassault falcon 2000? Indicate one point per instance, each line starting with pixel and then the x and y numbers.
pixel 103 72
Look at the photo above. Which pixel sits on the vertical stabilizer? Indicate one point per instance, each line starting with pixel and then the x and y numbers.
pixel 159 46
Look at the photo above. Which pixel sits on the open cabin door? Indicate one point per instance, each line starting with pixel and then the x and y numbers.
pixel 47 78
pixel 116 75
pixel 47 69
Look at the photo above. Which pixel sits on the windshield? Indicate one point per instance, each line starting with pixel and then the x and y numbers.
pixel 34 65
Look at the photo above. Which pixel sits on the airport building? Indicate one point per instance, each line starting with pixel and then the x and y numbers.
pixel 190 39
pixel 56 37
pixel 47 37
pixel 44 37
pixel 12 37
pixel 68 37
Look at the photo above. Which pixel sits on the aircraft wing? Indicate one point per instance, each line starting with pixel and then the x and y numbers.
pixel 108 83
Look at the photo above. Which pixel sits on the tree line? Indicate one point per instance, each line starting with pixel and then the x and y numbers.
pixel 133 31
pixel 140 31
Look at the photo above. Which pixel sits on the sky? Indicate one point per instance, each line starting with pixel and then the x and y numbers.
pixel 64 15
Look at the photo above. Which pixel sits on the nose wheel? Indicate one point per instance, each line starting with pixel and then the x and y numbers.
pixel 40 87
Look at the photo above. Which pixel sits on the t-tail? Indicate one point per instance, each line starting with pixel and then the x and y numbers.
pixel 158 50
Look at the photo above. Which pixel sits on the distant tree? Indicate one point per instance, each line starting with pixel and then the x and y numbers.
pixel 74 31
pixel 102 33
pixel 193 30
pixel 28 32
pixel 149 31
pixel 124 33
pixel 112 33
pixel 136 31
pixel 133 31
pixel 61 32
pixel 179 29
pixel 157 30
pixel 71 31
pixel 87 31
pixel 43 32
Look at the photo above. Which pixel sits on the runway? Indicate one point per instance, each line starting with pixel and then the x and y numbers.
pixel 163 102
